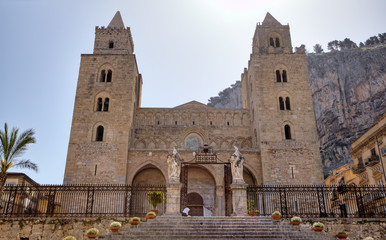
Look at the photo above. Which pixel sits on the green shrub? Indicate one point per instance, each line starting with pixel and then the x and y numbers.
pixel 318 224
pixel 135 219
pixel 115 224
pixel 92 231
pixel 296 219
pixel 276 213
pixel 155 198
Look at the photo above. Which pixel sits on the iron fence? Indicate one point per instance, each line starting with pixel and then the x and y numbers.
pixel 77 201
pixel 319 201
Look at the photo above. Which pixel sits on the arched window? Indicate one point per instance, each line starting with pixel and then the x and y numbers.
pixel 287 103
pixel 271 42
pixel 281 103
pixel 99 105
pixel 277 42
pixel 278 76
pixel 106 105
pixel 109 75
pixel 111 44
pixel 103 76
pixel 287 131
pixel 99 134
pixel 284 76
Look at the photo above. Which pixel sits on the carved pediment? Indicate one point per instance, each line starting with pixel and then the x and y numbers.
pixel 193 104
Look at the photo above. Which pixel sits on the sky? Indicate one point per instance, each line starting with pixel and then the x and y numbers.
pixel 186 50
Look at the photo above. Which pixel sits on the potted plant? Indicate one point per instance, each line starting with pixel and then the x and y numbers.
pixel 276 215
pixel 342 235
pixel 92 233
pixel 135 221
pixel 151 215
pixel 251 211
pixel 69 238
pixel 155 198
pixel 115 226
pixel 318 227
pixel 296 220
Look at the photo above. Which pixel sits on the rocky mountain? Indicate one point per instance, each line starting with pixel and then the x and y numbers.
pixel 349 94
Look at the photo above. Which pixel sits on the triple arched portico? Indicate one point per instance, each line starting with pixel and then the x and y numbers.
pixel 204 183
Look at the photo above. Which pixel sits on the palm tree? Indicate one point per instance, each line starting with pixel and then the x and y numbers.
pixel 11 148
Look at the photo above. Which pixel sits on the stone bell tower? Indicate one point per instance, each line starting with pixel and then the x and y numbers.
pixel 276 90
pixel 107 95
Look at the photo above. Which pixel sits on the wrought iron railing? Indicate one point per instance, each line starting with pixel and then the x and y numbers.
pixel 319 201
pixel 77 201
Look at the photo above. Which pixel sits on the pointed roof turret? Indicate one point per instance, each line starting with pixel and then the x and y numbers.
pixel 270 20
pixel 116 22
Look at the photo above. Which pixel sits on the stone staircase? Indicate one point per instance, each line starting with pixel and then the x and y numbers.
pixel 216 228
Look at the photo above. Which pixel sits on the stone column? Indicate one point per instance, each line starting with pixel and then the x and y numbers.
pixel 239 199
pixel 173 199
pixel 220 205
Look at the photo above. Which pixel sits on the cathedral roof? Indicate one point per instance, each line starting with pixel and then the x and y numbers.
pixel 116 22
pixel 270 20
pixel 194 104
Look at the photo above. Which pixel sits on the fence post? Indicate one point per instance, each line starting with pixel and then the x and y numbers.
pixel 90 200
pixel 359 200
pixel 321 201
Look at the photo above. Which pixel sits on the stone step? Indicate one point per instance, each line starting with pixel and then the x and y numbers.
pixel 216 228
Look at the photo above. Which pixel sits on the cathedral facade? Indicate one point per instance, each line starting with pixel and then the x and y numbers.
pixel 115 141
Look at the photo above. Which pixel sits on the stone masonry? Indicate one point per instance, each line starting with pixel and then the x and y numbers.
pixel 115 141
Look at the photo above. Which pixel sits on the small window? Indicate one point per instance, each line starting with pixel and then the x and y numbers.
pixel 157 122
pixel 227 123
pixel 284 76
pixel 360 162
pixel 287 103
pixel 210 123
pixel 95 170
pixel 271 42
pixel 278 76
pixel 277 42
pixel 287 131
pixel 106 105
pixel 175 123
pixel 193 122
pixel 373 153
pixel 111 44
pixel 99 105
pixel 103 76
pixel 99 134
pixel 281 103
pixel 109 75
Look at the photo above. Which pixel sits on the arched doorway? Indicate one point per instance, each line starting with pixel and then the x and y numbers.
pixel 248 177
pixel 195 203
pixel 149 175
pixel 201 187
pixel 148 178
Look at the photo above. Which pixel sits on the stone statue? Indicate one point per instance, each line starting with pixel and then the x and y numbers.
pixel 174 166
pixel 237 161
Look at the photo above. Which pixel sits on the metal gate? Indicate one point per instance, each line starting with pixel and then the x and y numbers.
pixel 207 156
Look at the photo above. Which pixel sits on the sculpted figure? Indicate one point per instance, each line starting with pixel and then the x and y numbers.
pixel 237 161
pixel 174 166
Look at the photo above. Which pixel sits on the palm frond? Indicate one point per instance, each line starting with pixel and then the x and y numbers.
pixel 27 137
pixel 27 164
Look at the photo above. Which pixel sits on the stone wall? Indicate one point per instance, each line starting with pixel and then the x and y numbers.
pixel 56 229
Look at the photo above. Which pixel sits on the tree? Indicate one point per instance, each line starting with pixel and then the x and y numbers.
pixel 347 44
pixel 12 146
pixel 361 44
pixel 318 48
pixel 333 45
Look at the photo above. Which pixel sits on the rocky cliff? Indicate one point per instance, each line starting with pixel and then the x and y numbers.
pixel 349 93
